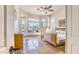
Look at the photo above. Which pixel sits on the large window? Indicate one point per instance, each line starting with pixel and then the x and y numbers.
pixel 43 24
pixel 33 25
pixel 22 25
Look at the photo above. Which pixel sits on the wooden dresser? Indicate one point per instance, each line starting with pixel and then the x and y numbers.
pixel 18 41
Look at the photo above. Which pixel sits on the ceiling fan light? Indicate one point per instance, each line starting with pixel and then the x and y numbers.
pixel 46 12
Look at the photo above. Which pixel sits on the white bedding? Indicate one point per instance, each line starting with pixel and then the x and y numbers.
pixel 61 35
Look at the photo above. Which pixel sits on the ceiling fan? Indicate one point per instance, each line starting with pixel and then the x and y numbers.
pixel 45 9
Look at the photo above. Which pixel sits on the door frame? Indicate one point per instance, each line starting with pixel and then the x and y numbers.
pixel 66 29
pixel 5 36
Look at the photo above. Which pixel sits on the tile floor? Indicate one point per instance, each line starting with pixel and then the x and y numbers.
pixel 34 45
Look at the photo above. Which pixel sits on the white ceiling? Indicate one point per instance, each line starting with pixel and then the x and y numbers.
pixel 33 9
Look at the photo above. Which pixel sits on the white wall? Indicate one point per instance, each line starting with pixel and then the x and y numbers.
pixel 1 25
pixel 10 26
pixel 60 15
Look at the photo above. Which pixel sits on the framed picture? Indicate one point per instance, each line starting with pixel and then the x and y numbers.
pixel 62 23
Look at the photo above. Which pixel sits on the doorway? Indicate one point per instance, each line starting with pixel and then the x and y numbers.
pixel 58 27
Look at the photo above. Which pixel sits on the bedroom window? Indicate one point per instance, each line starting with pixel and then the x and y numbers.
pixel 43 25
pixel 23 26
pixel 33 25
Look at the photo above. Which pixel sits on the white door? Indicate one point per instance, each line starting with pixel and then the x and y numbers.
pixel 72 15
pixel 1 26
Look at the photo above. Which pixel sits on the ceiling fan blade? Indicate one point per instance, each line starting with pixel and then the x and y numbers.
pixel 49 6
pixel 42 7
pixel 50 10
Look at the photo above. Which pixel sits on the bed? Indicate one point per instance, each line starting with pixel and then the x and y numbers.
pixel 55 39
